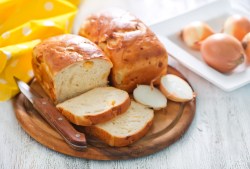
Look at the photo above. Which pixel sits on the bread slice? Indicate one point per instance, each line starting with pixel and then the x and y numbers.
pixel 126 128
pixel 69 65
pixel 95 106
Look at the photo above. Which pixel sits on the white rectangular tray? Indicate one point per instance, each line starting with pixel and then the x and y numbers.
pixel 213 13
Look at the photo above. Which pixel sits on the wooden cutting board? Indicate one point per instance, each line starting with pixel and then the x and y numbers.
pixel 169 125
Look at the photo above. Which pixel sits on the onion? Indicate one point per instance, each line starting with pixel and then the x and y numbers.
pixel 246 46
pixel 237 26
pixel 175 88
pixel 222 52
pixel 151 97
pixel 194 33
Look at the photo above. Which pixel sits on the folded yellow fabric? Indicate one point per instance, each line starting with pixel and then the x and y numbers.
pixel 23 23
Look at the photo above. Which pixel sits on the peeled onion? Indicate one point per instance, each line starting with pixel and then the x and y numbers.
pixel 246 46
pixel 237 26
pixel 149 96
pixel 194 33
pixel 175 88
pixel 222 52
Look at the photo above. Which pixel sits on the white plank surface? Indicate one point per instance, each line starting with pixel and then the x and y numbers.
pixel 218 137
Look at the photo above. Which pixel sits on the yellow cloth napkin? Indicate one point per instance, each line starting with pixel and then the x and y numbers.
pixel 23 24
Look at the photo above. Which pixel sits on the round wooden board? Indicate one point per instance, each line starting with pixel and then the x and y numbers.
pixel 169 125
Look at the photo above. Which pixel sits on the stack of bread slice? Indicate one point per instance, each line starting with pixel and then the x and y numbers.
pixel 111 117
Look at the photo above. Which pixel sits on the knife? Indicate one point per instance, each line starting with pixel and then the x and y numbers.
pixel 49 112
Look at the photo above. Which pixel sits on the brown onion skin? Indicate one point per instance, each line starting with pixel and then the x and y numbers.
pixel 246 46
pixel 222 52
pixel 237 26
pixel 195 32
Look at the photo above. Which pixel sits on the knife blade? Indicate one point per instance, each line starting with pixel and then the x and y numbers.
pixel 49 112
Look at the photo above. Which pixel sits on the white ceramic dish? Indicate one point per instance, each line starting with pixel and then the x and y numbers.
pixel 214 14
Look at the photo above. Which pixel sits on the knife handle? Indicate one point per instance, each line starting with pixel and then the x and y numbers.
pixel 74 138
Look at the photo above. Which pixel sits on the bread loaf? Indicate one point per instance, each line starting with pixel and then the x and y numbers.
pixel 126 128
pixel 68 65
pixel 137 55
pixel 95 106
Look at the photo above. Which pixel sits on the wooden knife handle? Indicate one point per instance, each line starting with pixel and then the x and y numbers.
pixel 74 138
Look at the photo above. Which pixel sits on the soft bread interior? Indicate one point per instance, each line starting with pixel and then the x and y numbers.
pixel 95 101
pixel 81 77
pixel 130 122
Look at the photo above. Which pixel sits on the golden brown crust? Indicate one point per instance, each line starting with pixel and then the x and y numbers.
pixel 55 53
pixel 61 51
pixel 89 120
pixel 44 78
pixel 136 53
pixel 117 141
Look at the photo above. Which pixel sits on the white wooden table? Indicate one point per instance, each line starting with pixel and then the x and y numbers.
pixel 219 136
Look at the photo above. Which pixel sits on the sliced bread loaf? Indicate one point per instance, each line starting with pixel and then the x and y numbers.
pixel 69 65
pixel 95 106
pixel 126 128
